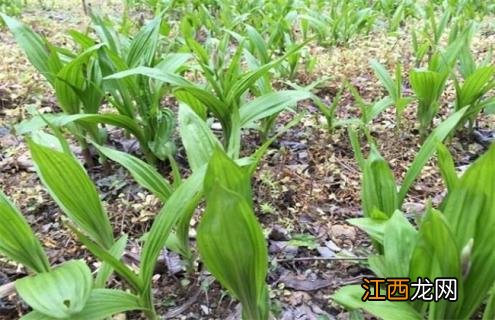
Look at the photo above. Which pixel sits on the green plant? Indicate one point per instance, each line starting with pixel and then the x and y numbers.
pixel 393 87
pixel 336 22
pixel 226 91
pixel 230 239
pixel 11 7
pixel 82 83
pixel 137 98
pixel 428 42
pixel 74 77
pixel 328 111
pixel 380 190
pixel 72 189
pixel 369 111
pixel 199 143
pixel 428 85
pixel 451 242
pixel 398 11
pixel 60 292
pixel 478 80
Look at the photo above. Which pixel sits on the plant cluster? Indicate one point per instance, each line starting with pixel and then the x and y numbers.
pixel 232 65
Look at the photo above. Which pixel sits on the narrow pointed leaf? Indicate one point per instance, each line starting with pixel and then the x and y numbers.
pixel 106 269
pixel 17 240
pixel 270 104
pixel 73 190
pixel 143 173
pixel 427 150
pixel 187 195
pixel 197 137
pixel 34 47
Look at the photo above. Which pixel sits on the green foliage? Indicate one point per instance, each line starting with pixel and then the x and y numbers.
pixel 17 241
pixel 230 239
pixel 80 83
pixel 441 246
pixel 11 7
pixel 471 93
pixel 380 190
pixel 393 87
pixel 226 103
pixel 60 293
pixel 65 291
pixel 65 177
pixel 227 63
pixel 428 87
pixel 337 22
pixel 369 111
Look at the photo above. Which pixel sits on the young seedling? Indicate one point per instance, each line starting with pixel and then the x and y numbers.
pixel 394 88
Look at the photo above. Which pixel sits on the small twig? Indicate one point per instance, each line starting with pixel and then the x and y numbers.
pixel 320 258
pixel 179 310
pixel 7 289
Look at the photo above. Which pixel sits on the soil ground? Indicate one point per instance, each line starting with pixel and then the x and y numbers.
pixel 305 189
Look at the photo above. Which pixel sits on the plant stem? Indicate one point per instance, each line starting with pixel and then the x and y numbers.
pixel 86 152
pixel 148 303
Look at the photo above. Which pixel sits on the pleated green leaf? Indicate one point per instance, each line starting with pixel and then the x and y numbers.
pixel 374 226
pixel 378 107
pixel 153 73
pixel 143 173
pixel 215 105
pixel 184 199
pixel 104 303
pixel 34 47
pixel 199 141
pixel 231 241
pixel 379 189
pixel 436 255
pixel 427 150
pixel 475 86
pixel 117 120
pixel 101 304
pixel 38 122
pixel 17 240
pixel 233 178
pixel 81 39
pixel 172 62
pixel 106 269
pixel 427 85
pixel 108 256
pixel 447 167
pixel 270 104
pixel 248 79
pixel 398 242
pixel 385 78
pixel 73 190
pixel 220 109
pixel 60 293
pixel 258 42
pixel 71 79
pixel 479 179
pixel 143 45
